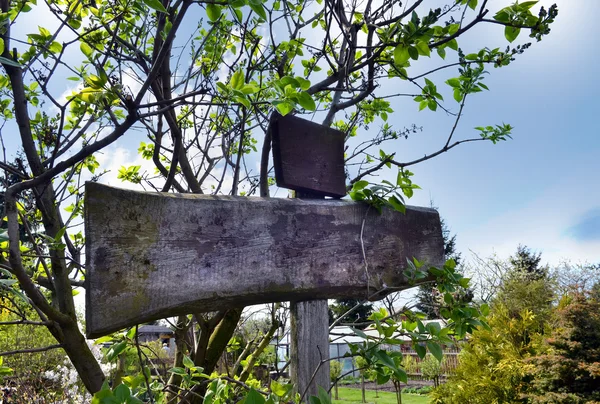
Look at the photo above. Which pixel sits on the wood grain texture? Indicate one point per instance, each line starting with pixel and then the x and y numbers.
pixel 154 255
pixel 309 346
pixel 307 156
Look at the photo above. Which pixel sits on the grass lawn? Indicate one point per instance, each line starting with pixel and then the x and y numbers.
pixel 348 395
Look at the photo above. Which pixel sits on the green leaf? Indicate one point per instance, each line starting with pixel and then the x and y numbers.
pixel 213 12
pixel 237 80
pixel 423 48
pixel 122 392
pixel 304 84
pixel 472 4
pixel 284 107
pixel 401 55
pixel 401 375
pixel 453 82
pixel 435 350
pixel 433 328
pixel 358 185
pixel 280 389
pixel 503 15
pixel 421 351
pixel 104 397
pixel 258 9
pixel 187 362
pixel 155 5
pixel 441 52
pixel 250 89
pixel 324 396
pixel 178 371
pixel 453 44
pixel 86 49
pixel 243 100
pixel 385 359
pixel 383 378
pixel 397 204
pixel 222 88
pixel 306 101
pixel 289 80
pixel 526 5
pixel 254 397
pixel 55 47
pixel 358 332
pixel 413 53
pixel 131 333
pixel 511 33
pixel 10 62
pixel 453 28
pixel 485 309
pixel 115 350
pixel 422 105
pixel 1 46
pixel 458 95
pixel 238 14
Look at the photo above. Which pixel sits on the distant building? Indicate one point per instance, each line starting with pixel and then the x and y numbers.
pixel 150 333
pixel 340 337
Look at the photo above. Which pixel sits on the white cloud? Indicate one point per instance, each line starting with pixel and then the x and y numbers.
pixel 543 223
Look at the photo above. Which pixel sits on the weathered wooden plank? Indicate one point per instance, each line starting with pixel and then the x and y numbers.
pixel 309 347
pixel 308 156
pixel 153 255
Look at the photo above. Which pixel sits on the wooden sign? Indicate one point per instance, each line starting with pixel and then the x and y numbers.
pixel 154 255
pixel 308 157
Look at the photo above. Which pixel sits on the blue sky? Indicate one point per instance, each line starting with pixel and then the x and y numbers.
pixel 540 188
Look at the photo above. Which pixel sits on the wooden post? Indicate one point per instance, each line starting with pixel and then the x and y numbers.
pixel 309 348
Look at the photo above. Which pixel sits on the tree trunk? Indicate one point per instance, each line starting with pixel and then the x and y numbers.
pixel 218 341
pixel 362 388
pixel 119 372
pixel 261 347
pixel 398 389
pixel 175 379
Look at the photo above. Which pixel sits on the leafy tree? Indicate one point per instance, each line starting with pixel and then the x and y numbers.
pixel 335 371
pixel 528 263
pixel 527 286
pixel 491 367
pixel 493 364
pixel 201 95
pixel 28 369
pixel 363 368
pixel 432 369
pixel 428 301
pixel 570 371
pixel 360 314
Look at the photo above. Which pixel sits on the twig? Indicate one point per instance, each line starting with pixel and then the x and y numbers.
pixel 139 352
pixel 30 350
